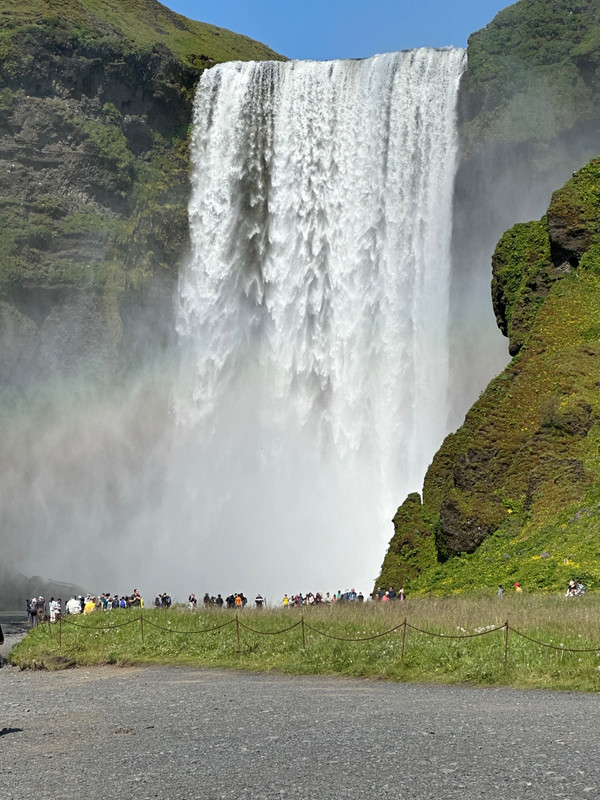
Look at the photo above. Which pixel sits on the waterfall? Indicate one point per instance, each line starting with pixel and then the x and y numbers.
pixel 313 313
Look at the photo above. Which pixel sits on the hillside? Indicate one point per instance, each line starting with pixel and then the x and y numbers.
pixel 138 25
pixel 511 494
pixel 533 73
pixel 529 116
pixel 95 109
pixel 514 494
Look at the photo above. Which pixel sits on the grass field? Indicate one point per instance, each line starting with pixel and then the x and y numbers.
pixel 313 641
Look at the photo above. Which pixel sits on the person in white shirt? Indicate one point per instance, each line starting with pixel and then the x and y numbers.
pixel 73 606
pixel 53 609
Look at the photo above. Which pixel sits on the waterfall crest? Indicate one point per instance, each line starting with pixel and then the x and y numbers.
pixel 314 312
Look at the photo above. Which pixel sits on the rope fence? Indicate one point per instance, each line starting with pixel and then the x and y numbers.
pixel 405 626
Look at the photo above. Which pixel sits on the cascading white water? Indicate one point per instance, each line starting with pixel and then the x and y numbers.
pixel 313 313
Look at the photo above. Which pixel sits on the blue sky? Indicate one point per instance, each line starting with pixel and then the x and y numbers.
pixel 327 29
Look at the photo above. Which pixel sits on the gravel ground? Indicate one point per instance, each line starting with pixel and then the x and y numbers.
pixel 181 734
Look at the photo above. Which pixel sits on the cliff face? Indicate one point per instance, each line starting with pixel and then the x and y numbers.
pixel 518 485
pixel 95 108
pixel 529 117
pixel 511 493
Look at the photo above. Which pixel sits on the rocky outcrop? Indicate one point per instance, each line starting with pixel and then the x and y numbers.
pixel 529 117
pixel 520 475
pixel 497 492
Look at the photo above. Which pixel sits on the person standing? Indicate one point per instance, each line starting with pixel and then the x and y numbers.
pixel 31 608
pixel 500 591
pixel 90 605
pixel 73 606
pixel 40 610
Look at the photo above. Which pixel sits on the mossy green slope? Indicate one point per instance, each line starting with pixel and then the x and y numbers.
pixel 528 114
pixel 514 494
pixel 139 24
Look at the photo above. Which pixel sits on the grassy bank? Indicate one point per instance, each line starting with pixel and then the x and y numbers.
pixel 210 639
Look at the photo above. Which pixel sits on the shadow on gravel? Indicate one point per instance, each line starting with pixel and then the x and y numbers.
pixel 6 731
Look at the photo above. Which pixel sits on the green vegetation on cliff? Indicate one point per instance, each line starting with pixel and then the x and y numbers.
pixel 533 72
pixel 137 24
pixel 96 107
pixel 514 494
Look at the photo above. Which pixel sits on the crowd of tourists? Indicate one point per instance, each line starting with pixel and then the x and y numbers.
pixel 234 600
pixel 389 595
pixel 38 611
pixel 321 598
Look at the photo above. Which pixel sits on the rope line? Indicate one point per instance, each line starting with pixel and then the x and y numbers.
pixel 554 646
pixel 270 633
pixel 77 623
pixel 361 639
pixel 456 636
pixel 204 630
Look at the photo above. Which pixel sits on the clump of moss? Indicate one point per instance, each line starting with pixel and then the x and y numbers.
pixel 521 275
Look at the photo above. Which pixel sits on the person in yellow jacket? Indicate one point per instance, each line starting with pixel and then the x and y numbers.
pixel 90 605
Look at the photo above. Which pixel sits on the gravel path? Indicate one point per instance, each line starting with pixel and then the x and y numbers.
pixel 182 734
